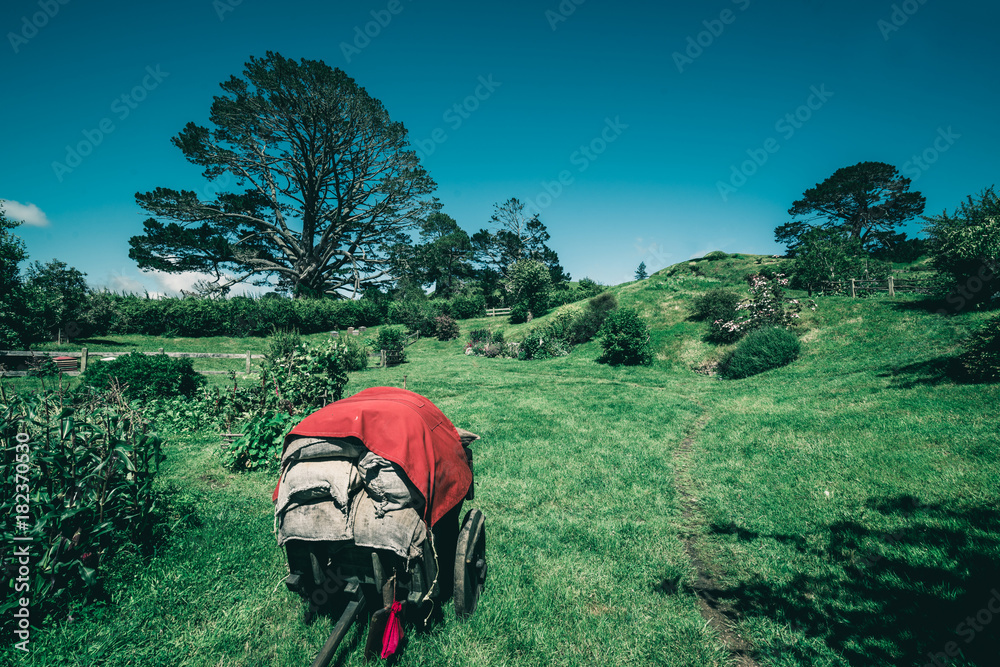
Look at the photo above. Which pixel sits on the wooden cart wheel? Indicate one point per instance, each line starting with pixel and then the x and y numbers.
pixel 470 563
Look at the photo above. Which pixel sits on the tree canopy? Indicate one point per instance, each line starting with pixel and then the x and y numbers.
pixel 325 181
pixel 12 253
pixel 866 201
pixel 517 237
pixel 966 245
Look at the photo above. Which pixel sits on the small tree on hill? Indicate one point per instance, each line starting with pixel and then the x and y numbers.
pixel 529 285
pixel 640 273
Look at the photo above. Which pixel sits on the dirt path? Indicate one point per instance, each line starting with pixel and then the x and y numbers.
pixel 720 616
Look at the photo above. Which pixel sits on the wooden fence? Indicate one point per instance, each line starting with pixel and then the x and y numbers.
pixel 493 312
pixel 84 356
pixel 891 285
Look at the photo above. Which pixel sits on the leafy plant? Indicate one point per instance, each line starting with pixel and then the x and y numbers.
pixel 463 308
pixel 88 464
pixel 761 350
pixel 145 376
pixel 354 352
pixel 393 339
pixel 981 358
pixel 261 443
pixel 445 328
pixel 966 246
pixel 625 339
pixel 715 255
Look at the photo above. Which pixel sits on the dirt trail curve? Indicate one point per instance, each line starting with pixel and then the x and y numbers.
pixel 719 615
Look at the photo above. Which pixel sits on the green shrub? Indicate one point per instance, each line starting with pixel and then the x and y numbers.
pixel 588 287
pixel 282 343
pixel 445 328
pixel 261 443
pixel 588 323
pixel 541 343
pixel 519 313
pixel 354 352
pixel 715 304
pixel 715 255
pixel 463 308
pixel 761 350
pixel 393 339
pixel 146 376
pixel 625 339
pixel 485 336
pixel 981 359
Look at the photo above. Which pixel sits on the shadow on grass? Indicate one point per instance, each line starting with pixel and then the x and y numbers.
pixel 897 598
pixel 931 372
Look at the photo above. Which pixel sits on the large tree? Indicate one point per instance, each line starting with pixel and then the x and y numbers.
pixel 444 253
pixel 325 179
pixel 867 202
pixel 518 236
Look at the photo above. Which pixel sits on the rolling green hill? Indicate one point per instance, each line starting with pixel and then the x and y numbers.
pixel 841 510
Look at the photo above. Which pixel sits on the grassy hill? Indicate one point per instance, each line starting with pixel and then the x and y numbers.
pixel 839 511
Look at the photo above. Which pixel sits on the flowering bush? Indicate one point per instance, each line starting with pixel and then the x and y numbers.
pixel 767 307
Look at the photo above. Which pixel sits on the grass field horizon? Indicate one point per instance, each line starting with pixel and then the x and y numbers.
pixel 844 506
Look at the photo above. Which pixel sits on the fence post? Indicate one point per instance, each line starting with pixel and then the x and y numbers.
pixel 83 360
pixel 160 351
pixel 382 360
pixel 892 287
pixel 248 362
pixel 853 292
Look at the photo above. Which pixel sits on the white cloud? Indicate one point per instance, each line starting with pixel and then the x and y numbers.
pixel 123 283
pixel 29 214
pixel 173 283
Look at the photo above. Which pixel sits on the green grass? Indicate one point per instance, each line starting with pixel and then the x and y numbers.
pixel 846 505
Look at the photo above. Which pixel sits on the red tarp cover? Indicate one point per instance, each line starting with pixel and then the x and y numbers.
pixel 407 429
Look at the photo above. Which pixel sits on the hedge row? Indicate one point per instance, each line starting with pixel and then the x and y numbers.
pixel 109 313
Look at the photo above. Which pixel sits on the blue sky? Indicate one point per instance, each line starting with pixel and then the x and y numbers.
pixel 675 129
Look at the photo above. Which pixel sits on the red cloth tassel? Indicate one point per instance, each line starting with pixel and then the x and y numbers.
pixel 274 496
pixel 393 632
